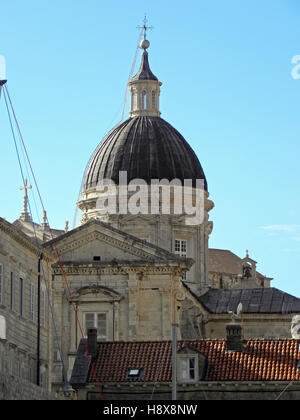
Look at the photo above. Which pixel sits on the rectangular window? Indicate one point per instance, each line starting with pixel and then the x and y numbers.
pixel 12 291
pixel 188 369
pixel 181 250
pixel 181 247
pixel 19 367
pixel 42 379
pixel 43 309
pixel 21 296
pixel 99 321
pixel 1 283
pixel 10 367
pixel 32 302
pixel 192 368
pixel 153 99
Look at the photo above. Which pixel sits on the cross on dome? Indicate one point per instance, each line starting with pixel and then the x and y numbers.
pixel 145 27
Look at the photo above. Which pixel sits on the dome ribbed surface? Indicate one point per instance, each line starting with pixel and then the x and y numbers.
pixel 147 148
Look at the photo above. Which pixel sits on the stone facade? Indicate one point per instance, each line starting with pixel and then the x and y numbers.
pixel 15 388
pixel 131 276
pixel 127 288
pixel 204 391
pixel 19 261
pixel 228 271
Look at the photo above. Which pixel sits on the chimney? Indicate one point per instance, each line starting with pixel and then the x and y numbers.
pixel 234 337
pixel 92 342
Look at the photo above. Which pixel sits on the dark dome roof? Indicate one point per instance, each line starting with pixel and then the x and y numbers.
pixel 147 148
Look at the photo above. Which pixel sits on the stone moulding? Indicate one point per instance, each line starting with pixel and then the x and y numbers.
pixel 22 239
pixel 124 246
pixel 113 270
pixel 97 289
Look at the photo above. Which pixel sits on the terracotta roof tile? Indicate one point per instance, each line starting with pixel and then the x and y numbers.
pixel 262 360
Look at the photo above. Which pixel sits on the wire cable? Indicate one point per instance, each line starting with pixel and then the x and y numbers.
pixel 37 244
pixel 54 245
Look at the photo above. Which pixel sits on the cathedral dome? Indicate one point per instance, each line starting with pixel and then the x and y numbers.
pixel 146 147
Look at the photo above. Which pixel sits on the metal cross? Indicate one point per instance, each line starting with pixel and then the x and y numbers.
pixel 145 27
pixel 25 188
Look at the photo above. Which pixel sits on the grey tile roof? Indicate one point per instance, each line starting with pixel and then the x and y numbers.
pixel 264 300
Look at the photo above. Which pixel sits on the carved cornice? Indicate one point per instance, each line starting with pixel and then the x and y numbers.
pixel 22 239
pixel 89 270
pixel 95 289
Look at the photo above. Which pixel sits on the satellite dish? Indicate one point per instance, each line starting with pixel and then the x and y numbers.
pixel 235 317
pixel 295 328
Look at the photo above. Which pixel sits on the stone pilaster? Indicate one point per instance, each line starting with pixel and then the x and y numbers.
pixel 132 291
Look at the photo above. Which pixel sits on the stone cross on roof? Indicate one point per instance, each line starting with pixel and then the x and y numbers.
pixel 25 215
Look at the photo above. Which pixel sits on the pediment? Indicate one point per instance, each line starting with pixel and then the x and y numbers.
pixel 188 350
pixel 98 239
pixel 96 292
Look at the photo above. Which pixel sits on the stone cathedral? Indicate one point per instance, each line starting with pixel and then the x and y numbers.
pixel 132 276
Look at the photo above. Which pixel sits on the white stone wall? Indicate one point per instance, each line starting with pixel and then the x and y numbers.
pixel 18 351
pixel 14 388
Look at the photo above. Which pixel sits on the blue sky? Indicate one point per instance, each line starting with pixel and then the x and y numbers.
pixel 227 87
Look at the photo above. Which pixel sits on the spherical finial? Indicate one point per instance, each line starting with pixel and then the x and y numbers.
pixel 144 44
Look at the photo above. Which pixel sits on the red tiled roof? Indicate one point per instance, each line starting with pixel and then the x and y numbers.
pixel 225 261
pixel 262 360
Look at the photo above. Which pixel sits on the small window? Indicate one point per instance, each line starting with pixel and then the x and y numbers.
pixel 181 250
pixel 97 258
pixel 19 369
pixel 21 296
pixel 144 99
pixel 181 247
pixel 42 379
pixel 134 101
pixel 188 369
pixel 134 373
pixel 153 99
pixel 43 309
pixel 99 321
pixel 32 302
pixel 12 291
pixel 10 367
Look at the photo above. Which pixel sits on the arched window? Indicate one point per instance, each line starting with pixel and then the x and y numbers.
pixel 153 99
pixel 134 101
pixel 144 99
